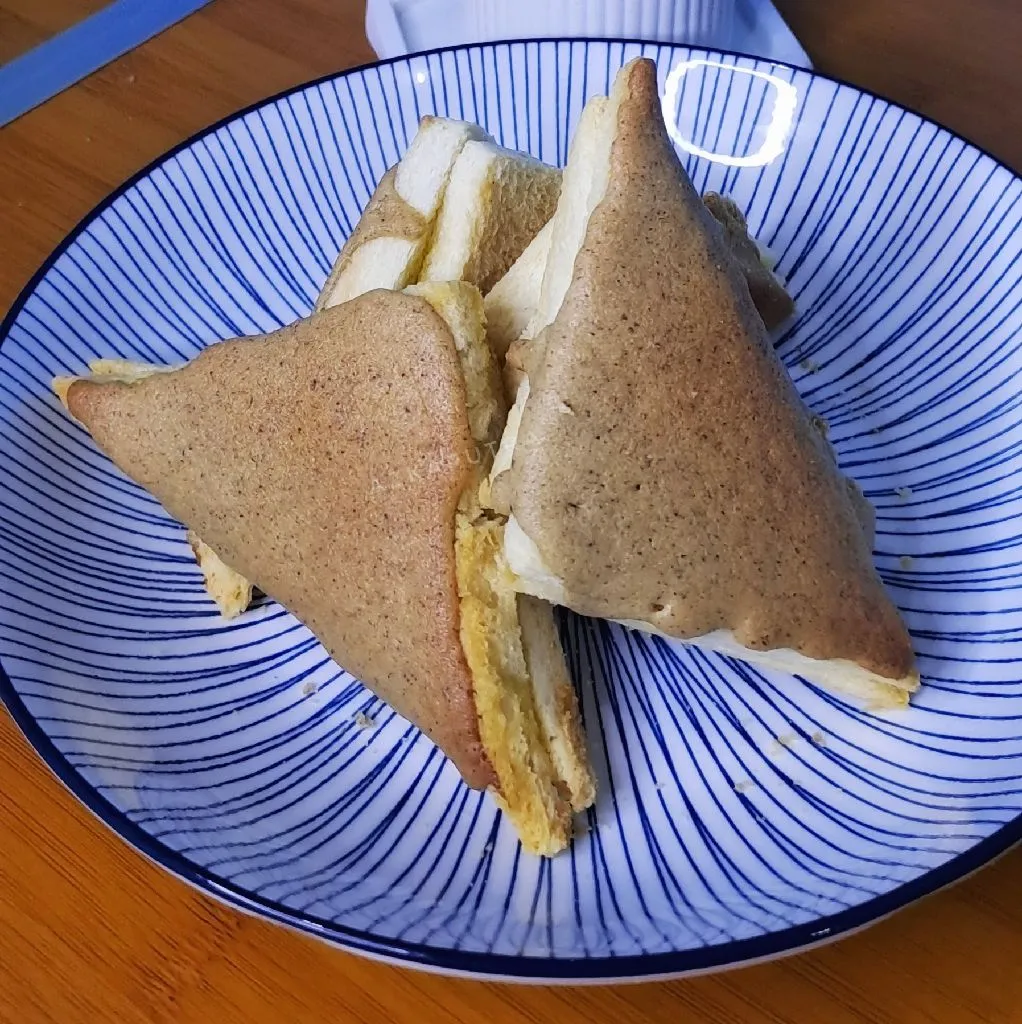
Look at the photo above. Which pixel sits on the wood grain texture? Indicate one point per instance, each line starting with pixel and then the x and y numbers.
pixel 955 61
pixel 91 932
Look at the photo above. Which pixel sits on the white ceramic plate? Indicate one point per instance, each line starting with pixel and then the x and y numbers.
pixel 740 814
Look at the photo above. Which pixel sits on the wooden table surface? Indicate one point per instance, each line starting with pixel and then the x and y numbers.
pixel 91 932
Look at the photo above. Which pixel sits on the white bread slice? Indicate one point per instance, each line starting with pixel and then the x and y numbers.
pixel 582 187
pixel 511 303
pixel 389 263
pixel 229 589
pixel 425 169
pixel 556 700
pixel 584 184
pixel 528 713
pixel 387 246
pixel 495 203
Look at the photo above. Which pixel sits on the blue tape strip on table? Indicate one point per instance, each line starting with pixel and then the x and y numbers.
pixel 68 57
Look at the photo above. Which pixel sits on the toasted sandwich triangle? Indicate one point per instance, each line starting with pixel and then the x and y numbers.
pixel 665 471
pixel 326 469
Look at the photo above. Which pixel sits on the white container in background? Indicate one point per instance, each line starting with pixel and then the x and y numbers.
pixel 396 27
pixel 699 22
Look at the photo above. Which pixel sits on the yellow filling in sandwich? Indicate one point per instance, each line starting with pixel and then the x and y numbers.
pixel 528 713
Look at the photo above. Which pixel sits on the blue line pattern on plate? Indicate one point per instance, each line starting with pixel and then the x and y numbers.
pixel 740 812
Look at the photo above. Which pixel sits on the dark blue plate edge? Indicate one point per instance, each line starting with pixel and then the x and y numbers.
pixel 773 944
